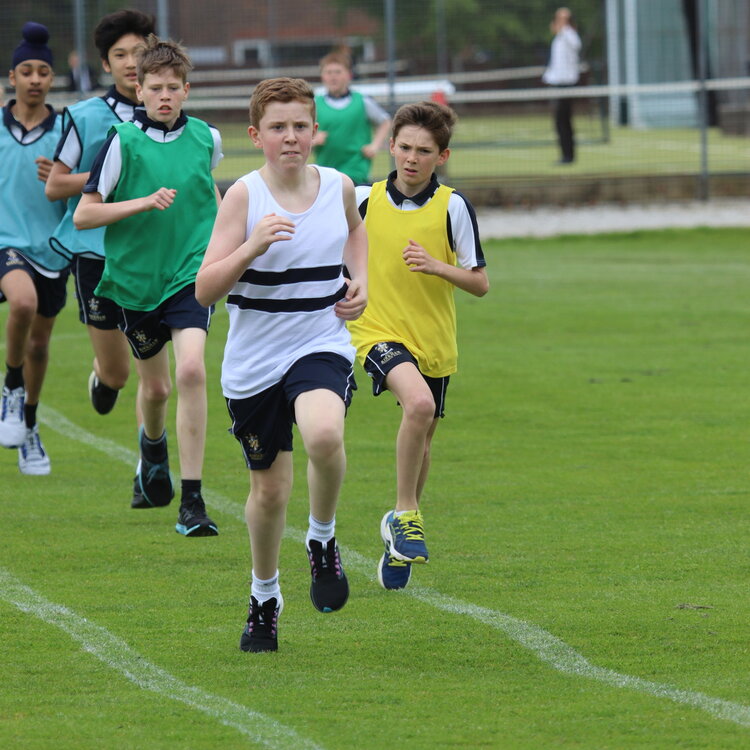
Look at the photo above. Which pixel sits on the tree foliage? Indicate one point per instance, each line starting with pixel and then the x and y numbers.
pixel 508 33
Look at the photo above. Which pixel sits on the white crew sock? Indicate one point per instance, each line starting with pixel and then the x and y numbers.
pixel 265 589
pixel 320 531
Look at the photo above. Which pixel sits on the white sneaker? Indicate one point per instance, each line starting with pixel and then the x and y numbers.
pixel 12 422
pixel 32 458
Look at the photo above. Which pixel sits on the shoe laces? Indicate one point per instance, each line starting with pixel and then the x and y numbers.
pixel 32 445
pixel 195 505
pixel 410 526
pixel 325 559
pixel 12 402
pixel 263 617
pixel 156 471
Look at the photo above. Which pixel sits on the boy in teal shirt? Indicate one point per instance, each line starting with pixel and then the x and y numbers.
pixel 32 277
pixel 85 128
pixel 154 243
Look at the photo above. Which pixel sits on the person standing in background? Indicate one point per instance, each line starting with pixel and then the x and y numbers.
pixel 563 72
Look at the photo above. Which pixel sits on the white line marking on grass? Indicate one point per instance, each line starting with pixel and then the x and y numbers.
pixel 547 647
pixel 115 653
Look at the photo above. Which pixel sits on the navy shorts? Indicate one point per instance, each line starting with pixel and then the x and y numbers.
pixel 148 331
pixel 383 357
pixel 263 423
pixel 93 310
pixel 51 294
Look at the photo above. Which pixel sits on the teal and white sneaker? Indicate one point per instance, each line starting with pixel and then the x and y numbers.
pixel 12 422
pixel 192 519
pixel 32 458
pixel 403 536
pixel 393 573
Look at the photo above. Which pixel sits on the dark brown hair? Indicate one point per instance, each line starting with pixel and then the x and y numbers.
pixel 436 118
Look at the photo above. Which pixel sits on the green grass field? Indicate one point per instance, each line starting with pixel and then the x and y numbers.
pixel 587 516
pixel 627 152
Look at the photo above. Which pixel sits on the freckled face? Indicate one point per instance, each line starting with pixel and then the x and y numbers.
pixel 285 133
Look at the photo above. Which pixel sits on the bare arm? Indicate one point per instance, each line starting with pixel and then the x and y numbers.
pixel 229 253
pixel 372 148
pixel 355 258
pixel 43 167
pixel 62 183
pixel 471 280
pixel 92 212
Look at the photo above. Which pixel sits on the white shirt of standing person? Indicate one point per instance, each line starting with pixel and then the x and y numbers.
pixel 563 68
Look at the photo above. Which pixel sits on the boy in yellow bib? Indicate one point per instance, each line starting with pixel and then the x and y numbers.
pixel 423 243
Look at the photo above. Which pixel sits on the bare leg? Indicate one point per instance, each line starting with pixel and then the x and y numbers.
pixel 412 441
pixel 153 392
pixel 111 356
pixel 265 513
pixel 190 376
pixel 37 357
pixel 18 289
pixel 320 419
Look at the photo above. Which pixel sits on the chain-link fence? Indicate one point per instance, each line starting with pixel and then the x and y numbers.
pixel 661 108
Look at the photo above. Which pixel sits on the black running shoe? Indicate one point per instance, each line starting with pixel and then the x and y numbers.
pixel 103 398
pixel 329 589
pixel 193 520
pixel 138 500
pixel 154 479
pixel 261 631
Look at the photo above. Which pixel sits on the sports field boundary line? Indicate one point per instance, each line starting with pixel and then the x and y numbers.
pixel 118 655
pixel 547 647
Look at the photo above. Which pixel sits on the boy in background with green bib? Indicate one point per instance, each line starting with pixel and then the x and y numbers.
pixel 154 243
pixel 346 118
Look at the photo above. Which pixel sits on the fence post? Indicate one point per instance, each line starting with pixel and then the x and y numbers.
pixel 703 179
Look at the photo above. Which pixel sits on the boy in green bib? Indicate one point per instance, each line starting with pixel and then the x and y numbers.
pixel 154 243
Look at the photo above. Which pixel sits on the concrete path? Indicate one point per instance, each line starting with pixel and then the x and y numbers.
pixel 551 221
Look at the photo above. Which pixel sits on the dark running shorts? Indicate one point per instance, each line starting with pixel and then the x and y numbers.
pixel 263 423
pixel 148 332
pixel 95 311
pixel 51 294
pixel 383 357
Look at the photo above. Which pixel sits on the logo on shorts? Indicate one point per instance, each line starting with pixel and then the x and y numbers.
pixel 253 446
pixel 94 310
pixel 144 343
pixel 386 352
pixel 12 258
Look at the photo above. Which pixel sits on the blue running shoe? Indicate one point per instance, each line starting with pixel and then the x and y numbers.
pixel 403 536
pixel 261 632
pixel 192 520
pixel 393 573
pixel 329 588
pixel 154 478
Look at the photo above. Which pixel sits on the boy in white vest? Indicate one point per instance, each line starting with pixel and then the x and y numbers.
pixel 32 277
pixel 281 239
pixel 424 244
pixel 151 186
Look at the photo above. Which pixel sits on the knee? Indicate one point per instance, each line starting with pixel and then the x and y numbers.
pixel 38 348
pixel 325 442
pixel 23 310
pixel 420 410
pixel 190 374
pixel 269 498
pixel 156 390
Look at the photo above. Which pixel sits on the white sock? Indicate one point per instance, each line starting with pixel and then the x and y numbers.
pixel 265 589
pixel 320 531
